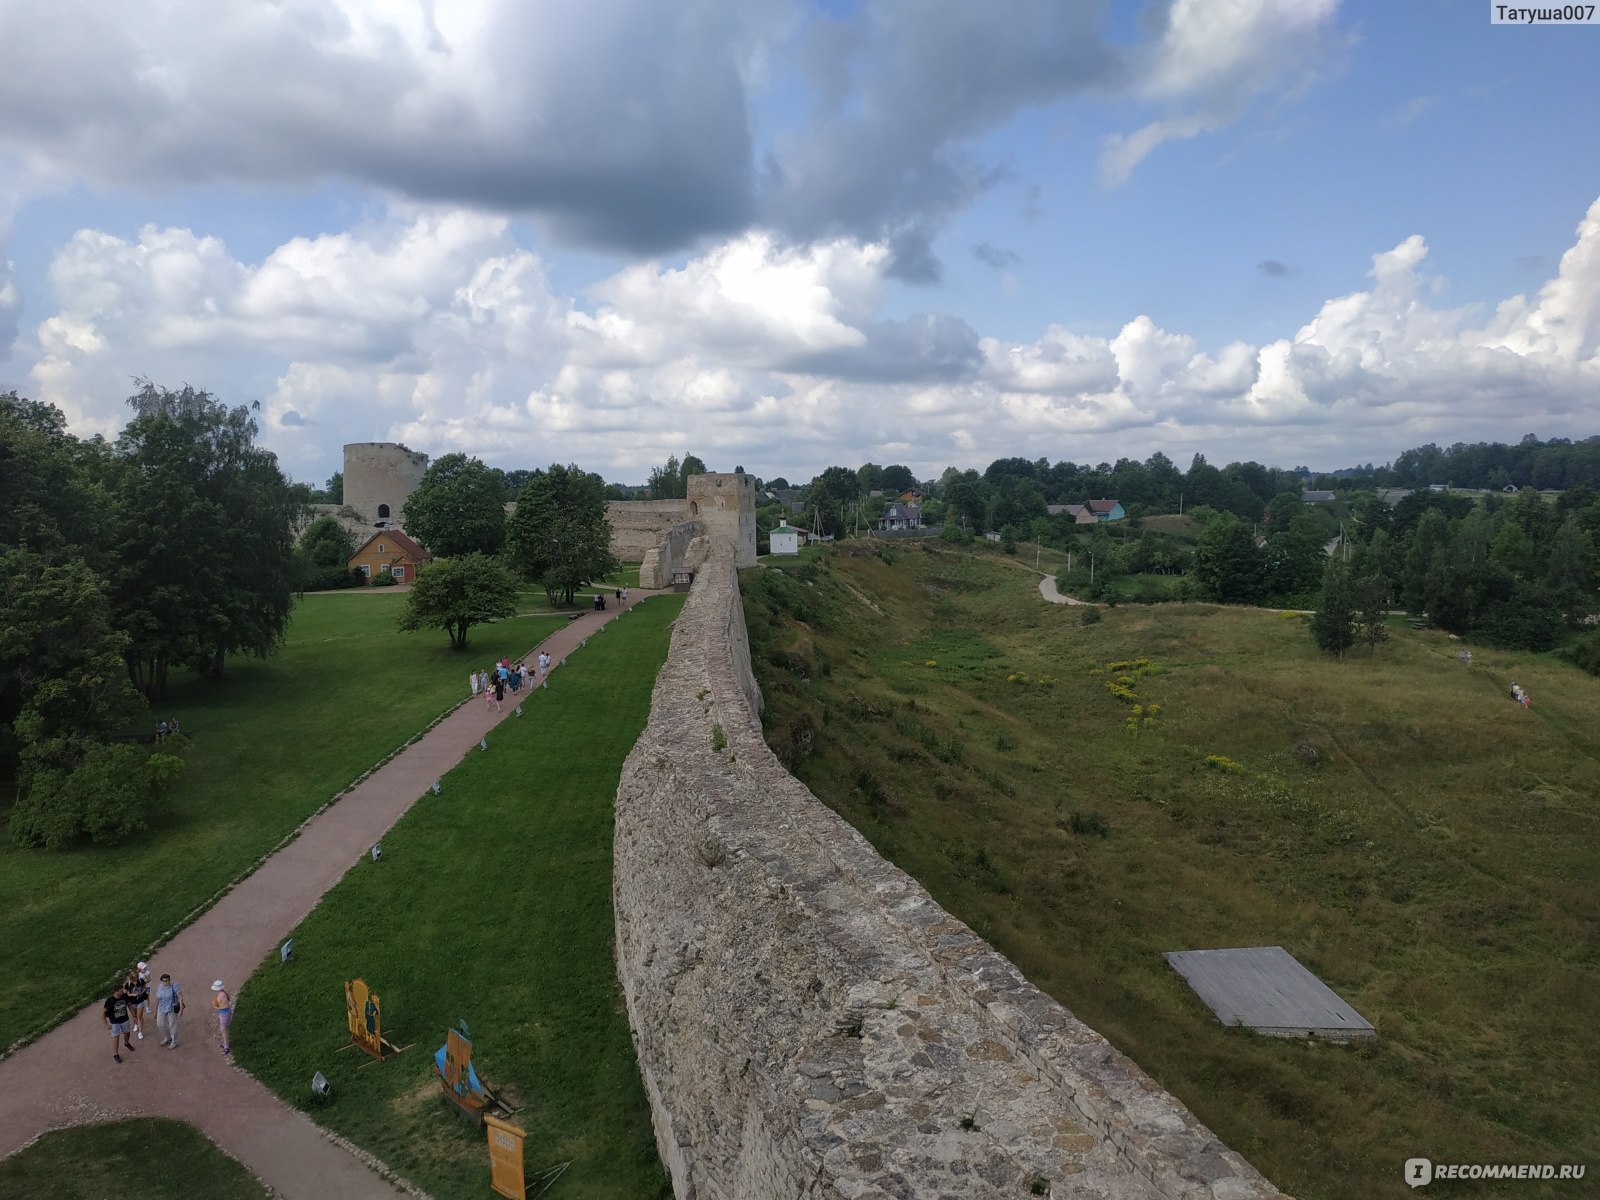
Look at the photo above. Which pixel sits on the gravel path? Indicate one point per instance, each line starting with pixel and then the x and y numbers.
pixel 1047 589
pixel 67 1077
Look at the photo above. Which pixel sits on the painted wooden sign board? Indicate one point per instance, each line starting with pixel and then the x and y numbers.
pixel 364 1012
pixel 505 1157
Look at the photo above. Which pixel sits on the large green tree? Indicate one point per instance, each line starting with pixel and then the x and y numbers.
pixel 458 508
pixel 454 594
pixel 1295 554
pixel 324 550
pixel 64 683
pixel 206 547
pixel 667 481
pixel 559 536
pixel 692 465
pixel 1333 625
pixel 897 478
pixel 1429 538
pixel 1227 564
pixel 1370 595
pixel 1570 574
pixel 830 498
pixel 52 495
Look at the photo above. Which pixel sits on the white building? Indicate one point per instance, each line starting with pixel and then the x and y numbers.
pixel 786 539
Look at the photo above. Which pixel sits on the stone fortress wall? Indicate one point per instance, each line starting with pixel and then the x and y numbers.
pixel 660 534
pixel 641 525
pixel 810 1023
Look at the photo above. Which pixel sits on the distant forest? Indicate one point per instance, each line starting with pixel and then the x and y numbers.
pixel 1558 463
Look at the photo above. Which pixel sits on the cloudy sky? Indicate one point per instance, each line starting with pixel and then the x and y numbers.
pixel 789 233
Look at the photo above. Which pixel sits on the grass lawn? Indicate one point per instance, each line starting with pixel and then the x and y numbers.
pixel 492 904
pixel 345 691
pixel 151 1158
pixel 807 554
pixel 1425 846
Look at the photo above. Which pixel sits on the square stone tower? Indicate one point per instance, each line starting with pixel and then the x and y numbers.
pixel 726 505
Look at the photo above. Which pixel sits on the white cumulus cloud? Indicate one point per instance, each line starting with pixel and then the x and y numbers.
pixel 434 327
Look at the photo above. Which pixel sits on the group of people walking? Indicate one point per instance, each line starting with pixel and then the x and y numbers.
pixel 506 676
pixel 133 1001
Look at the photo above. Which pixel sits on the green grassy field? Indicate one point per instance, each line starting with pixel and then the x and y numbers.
pixel 1425 846
pixel 492 904
pixel 151 1158
pixel 345 691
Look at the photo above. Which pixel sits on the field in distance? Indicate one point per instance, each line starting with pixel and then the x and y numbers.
pixel 1087 796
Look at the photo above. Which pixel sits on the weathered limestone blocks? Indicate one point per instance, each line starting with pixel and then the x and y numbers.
pixel 719 504
pixel 810 1023
pixel 638 526
pixel 378 477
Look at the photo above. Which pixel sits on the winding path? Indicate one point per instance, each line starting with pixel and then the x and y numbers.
pixel 67 1077
pixel 1047 589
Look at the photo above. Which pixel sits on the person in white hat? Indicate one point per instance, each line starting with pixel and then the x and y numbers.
pixel 222 1005
pixel 139 998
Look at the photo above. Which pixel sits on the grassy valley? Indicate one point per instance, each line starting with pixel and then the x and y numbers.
pixel 1088 796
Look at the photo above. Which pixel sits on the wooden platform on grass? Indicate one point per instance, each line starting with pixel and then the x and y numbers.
pixel 1265 988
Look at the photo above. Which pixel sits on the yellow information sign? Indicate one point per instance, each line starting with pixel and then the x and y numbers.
pixel 505 1157
pixel 364 1012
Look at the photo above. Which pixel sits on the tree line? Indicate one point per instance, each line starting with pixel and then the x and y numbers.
pixel 1516 571
pixel 170 546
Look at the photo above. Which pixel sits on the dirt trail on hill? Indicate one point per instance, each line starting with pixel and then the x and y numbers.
pixel 67 1077
pixel 1047 589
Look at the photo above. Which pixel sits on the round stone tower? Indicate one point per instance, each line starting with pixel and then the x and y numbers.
pixel 378 476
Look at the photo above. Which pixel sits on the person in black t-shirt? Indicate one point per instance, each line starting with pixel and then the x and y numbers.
pixel 116 1018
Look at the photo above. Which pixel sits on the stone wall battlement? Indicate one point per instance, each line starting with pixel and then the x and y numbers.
pixel 810 1023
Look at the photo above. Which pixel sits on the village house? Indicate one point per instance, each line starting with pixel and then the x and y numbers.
pixel 389 552
pixel 792 499
pixel 901 516
pixel 1106 510
pixel 1079 513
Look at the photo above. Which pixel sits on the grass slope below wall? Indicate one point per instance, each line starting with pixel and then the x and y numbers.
pixel 493 904
pixel 151 1158
pixel 1424 845
pixel 270 743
